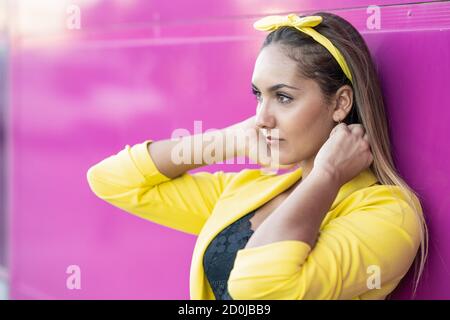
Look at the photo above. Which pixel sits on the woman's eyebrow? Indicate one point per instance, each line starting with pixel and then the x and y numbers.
pixel 276 87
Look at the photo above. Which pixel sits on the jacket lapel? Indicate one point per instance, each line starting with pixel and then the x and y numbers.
pixel 246 198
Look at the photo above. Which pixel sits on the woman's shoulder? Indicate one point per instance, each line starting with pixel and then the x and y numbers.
pixel 389 194
pixel 388 205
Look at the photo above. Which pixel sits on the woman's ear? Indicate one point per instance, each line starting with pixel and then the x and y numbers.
pixel 343 103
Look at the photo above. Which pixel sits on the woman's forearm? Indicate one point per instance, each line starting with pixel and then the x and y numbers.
pixel 300 215
pixel 175 157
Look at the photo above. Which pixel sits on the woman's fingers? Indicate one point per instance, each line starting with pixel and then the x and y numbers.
pixel 357 129
pixel 340 126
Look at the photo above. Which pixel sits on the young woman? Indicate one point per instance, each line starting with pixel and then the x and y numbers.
pixel 341 224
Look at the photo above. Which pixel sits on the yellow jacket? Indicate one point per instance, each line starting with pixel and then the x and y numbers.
pixel 369 233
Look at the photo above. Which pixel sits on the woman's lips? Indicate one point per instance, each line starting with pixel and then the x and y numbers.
pixel 271 140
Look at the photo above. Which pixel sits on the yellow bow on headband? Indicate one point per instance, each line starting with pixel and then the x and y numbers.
pixel 305 25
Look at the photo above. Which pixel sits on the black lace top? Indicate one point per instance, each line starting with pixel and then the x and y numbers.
pixel 221 252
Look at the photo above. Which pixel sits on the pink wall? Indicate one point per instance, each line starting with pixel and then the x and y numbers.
pixel 140 69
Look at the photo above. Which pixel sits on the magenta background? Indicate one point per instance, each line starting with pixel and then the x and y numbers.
pixel 140 69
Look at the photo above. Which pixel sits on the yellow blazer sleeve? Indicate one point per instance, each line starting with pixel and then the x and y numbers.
pixel 382 233
pixel 130 180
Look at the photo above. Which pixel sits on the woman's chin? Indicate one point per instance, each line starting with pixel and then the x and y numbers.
pixel 282 164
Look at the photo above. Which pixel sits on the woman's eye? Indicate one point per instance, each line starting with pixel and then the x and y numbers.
pixel 283 99
pixel 257 94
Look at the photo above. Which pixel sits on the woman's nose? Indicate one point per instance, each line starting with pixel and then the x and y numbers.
pixel 264 119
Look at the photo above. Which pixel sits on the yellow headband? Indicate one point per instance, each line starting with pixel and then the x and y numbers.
pixel 304 24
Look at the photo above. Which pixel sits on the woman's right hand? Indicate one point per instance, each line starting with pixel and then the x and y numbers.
pixel 247 137
pixel 251 143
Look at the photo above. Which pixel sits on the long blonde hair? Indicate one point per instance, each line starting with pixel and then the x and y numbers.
pixel 315 62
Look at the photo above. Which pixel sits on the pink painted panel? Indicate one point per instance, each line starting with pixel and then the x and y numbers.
pixel 141 70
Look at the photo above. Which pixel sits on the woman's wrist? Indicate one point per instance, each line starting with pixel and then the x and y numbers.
pixel 328 175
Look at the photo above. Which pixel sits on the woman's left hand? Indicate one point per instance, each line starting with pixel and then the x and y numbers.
pixel 345 154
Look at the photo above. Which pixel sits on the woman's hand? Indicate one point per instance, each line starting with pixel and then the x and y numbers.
pixel 249 140
pixel 345 154
pixel 252 145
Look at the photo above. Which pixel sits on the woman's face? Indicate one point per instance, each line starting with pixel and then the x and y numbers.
pixel 293 105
